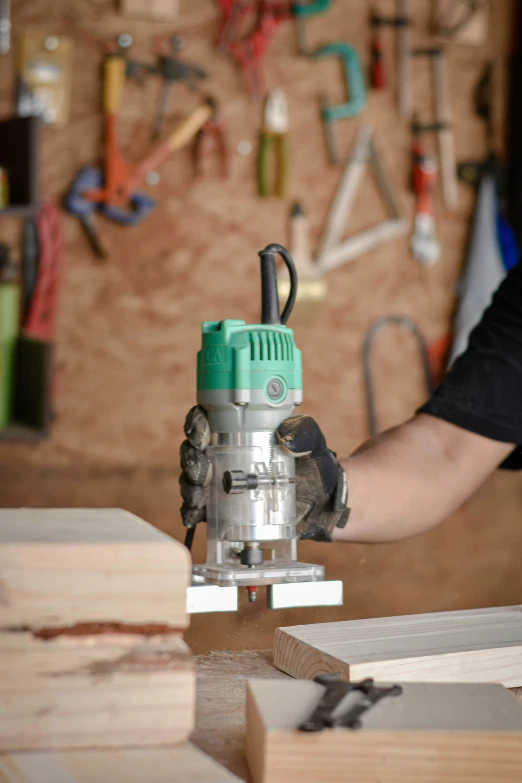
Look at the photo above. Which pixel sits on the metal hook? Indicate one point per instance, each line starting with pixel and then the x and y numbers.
pixel 409 325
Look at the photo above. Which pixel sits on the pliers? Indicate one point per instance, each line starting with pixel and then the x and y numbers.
pixel 273 161
pixel 212 129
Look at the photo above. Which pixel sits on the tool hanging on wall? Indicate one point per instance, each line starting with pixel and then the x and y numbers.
pixel 462 21
pixel 423 242
pixel 9 324
pixel 44 78
pixel 40 319
pixel 408 325
pixel 333 251
pixel 5 26
pixel 172 70
pixel 114 192
pixel 248 51
pixel 273 162
pixel 442 125
pixel 303 10
pixel 401 23
pixel 212 130
pixel 356 98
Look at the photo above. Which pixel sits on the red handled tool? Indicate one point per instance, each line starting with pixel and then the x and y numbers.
pixel 212 131
pixel 40 320
pixel 248 51
pixel 424 243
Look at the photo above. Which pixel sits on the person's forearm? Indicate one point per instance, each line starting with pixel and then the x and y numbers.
pixel 410 478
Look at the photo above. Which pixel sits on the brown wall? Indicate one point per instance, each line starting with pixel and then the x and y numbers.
pixel 128 330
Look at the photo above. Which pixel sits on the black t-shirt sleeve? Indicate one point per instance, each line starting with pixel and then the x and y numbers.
pixel 482 392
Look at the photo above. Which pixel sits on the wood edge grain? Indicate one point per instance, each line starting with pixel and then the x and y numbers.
pixel 255 738
pixel 302 660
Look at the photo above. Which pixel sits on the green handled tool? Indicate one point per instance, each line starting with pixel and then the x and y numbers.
pixel 273 161
pixel 356 88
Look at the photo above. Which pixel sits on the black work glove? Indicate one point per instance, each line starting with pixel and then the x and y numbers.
pixel 321 489
pixel 196 469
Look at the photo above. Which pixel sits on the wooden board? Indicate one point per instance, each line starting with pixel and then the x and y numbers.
pixel 160 765
pixel 480 645
pixel 108 690
pixel 91 654
pixel 432 732
pixel 64 567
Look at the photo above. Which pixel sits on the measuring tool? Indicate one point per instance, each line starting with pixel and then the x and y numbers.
pixel 273 146
pixel 249 381
pixel 356 100
pixel 401 23
pixel 442 125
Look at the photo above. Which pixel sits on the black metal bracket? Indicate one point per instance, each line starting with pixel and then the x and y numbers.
pixel 376 20
pixel 335 691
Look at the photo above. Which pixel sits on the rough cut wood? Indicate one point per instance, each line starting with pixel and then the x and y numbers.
pixel 456 733
pixel 480 645
pixel 91 653
pixel 183 764
pixel 94 691
pixel 60 567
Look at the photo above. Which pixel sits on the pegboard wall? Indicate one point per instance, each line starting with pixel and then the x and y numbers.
pixel 129 328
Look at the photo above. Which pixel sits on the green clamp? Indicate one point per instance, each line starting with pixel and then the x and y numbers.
pixel 356 89
pixel 312 8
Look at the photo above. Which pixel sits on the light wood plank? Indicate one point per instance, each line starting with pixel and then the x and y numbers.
pixel 460 733
pixel 182 764
pixel 481 645
pixel 60 567
pixel 95 691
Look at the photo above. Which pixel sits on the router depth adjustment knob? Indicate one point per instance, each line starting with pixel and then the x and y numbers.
pixel 237 481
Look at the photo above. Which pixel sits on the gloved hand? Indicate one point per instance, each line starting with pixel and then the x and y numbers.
pixel 321 488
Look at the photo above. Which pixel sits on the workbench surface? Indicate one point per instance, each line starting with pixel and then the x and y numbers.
pixel 220 707
pixel 220 710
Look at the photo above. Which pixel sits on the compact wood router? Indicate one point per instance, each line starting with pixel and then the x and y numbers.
pixel 249 381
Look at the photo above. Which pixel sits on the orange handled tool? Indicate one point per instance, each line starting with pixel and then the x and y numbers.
pixel 121 178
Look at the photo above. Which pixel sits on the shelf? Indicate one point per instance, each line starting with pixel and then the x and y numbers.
pixel 21 432
pixel 19 210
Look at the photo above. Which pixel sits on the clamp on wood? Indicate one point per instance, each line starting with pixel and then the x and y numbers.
pixel 336 690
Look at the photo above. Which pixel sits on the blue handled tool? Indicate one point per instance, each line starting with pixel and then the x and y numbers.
pixel 140 206
pixel 356 89
pixel 76 204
